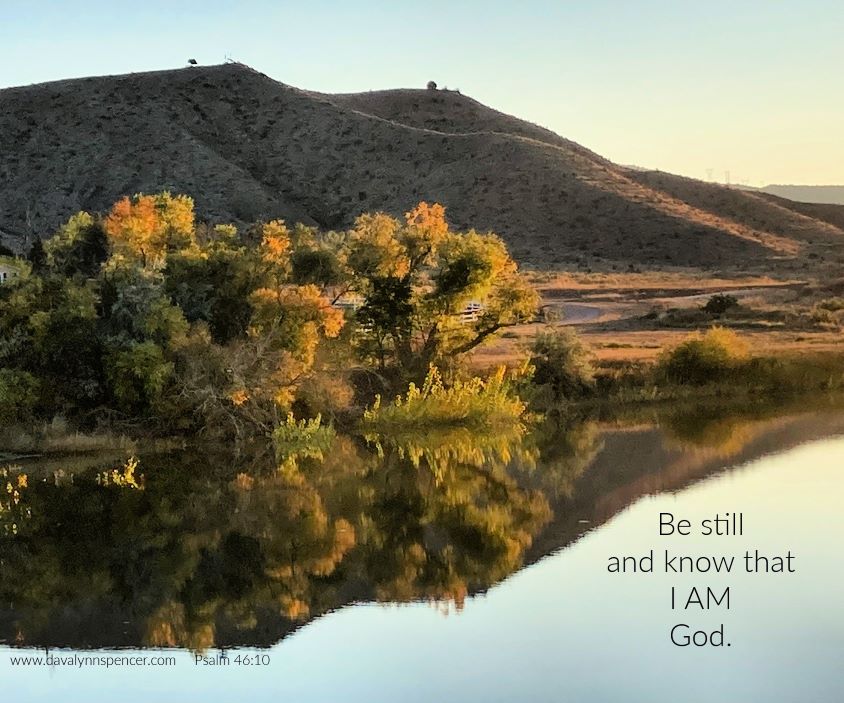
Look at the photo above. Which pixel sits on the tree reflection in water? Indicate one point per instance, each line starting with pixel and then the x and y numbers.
pixel 217 549
pixel 207 548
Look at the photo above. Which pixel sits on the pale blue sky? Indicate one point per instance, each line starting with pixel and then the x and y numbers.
pixel 752 87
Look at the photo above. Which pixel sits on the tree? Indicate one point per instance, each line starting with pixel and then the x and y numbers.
pixel 146 227
pixel 561 365
pixel 720 303
pixel 286 328
pixel 37 257
pixel 212 282
pixel 138 375
pixel 417 278
pixel 79 247
pixel 18 395
pixel 317 265
pixel 48 328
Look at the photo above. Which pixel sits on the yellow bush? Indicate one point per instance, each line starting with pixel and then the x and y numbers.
pixel 702 359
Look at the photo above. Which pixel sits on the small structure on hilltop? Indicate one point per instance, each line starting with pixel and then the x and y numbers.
pixel 192 62
pixel 432 85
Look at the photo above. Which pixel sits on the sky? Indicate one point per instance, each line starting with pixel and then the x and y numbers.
pixel 745 91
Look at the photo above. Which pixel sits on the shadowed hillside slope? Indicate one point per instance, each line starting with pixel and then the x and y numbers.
pixel 247 147
pixel 798 221
pixel 833 214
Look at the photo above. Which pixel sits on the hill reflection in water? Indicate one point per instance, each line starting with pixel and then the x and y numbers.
pixel 212 549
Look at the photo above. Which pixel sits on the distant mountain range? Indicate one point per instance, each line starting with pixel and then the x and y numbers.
pixel 827 195
pixel 248 147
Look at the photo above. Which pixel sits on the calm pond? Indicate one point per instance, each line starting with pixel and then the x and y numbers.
pixel 449 567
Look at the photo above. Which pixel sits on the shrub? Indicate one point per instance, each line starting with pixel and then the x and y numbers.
pixel 828 313
pixel 18 395
pixel 479 403
pixel 301 439
pixel 831 304
pixel 562 364
pixel 324 394
pixel 823 317
pixel 719 303
pixel 702 359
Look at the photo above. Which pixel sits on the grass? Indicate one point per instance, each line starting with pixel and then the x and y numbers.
pixel 477 403
pixel 42 441
pixel 55 438
pixel 785 376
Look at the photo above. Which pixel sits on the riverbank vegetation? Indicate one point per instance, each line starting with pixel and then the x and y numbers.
pixel 717 363
pixel 143 322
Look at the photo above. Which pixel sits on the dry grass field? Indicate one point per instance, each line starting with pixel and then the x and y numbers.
pixel 633 317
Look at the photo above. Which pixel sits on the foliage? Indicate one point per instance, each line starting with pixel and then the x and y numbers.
pixel 324 394
pixel 300 439
pixel 48 328
pixel 138 375
pixel 212 283
pixel 79 247
pixel 37 257
pixel 720 303
pixel 18 395
pixel 562 366
pixel 319 266
pixel 476 403
pixel 702 359
pixel 416 278
pixel 143 316
pixel 146 227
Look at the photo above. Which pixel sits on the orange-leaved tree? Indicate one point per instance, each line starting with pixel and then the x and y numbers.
pixel 146 227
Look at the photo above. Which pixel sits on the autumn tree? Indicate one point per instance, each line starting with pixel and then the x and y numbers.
pixel 417 278
pixel 144 315
pixel 146 227
pixel 286 328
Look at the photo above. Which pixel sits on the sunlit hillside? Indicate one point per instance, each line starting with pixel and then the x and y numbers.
pixel 247 147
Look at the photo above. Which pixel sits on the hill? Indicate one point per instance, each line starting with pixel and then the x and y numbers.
pixel 248 147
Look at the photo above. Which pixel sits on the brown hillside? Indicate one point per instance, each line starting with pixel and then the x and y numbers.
pixel 248 147
pixel 450 112
pixel 762 212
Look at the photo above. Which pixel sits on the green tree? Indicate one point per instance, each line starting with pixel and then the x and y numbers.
pixel 213 282
pixel 79 247
pixel 417 279
pixel 138 375
pixel 562 366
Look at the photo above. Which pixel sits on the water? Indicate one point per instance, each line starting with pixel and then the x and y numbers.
pixel 515 607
